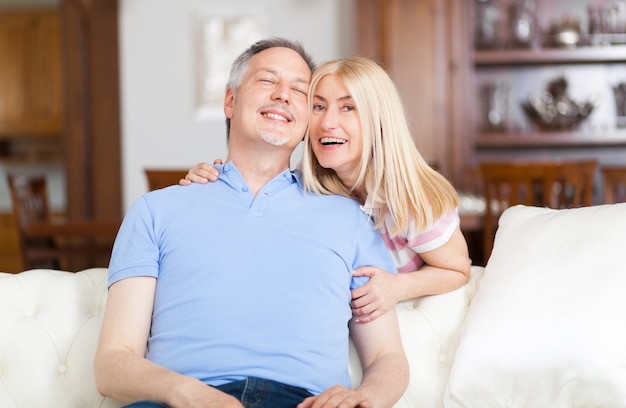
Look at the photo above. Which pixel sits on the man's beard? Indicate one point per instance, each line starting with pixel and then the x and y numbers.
pixel 273 139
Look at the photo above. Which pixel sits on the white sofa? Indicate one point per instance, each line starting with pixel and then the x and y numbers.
pixel 543 325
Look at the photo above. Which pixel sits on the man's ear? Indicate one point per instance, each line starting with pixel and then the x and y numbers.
pixel 229 103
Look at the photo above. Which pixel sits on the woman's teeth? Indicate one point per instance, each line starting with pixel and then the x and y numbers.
pixel 331 140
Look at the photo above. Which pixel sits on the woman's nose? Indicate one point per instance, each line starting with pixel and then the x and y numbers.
pixel 329 120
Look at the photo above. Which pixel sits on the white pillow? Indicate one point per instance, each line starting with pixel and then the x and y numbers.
pixel 547 327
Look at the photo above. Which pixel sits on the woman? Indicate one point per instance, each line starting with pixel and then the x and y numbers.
pixel 359 145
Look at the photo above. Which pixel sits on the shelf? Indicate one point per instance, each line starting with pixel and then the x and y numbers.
pixel 30 160
pixel 612 137
pixel 596 54
pixel 31 150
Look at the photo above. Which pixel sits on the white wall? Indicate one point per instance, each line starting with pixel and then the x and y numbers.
pixel 157 73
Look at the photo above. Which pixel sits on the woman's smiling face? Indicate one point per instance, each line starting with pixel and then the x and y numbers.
pixel 335 129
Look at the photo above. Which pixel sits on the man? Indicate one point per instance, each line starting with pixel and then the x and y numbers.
pixel 236 293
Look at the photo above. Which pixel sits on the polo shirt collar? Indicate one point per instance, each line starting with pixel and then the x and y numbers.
pixel 227 174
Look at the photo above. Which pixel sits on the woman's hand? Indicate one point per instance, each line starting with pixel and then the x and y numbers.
pixel 202 173
pixel 375 297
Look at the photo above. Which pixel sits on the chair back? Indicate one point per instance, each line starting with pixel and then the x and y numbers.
pixel 575 181
pixel 160 178
pixel 47 242
pixel 614 181
pixel 553 184
pixel 29 199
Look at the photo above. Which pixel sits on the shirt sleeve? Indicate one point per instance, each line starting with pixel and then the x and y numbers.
pixel 370 251
pixel 435 235
pixel 136 250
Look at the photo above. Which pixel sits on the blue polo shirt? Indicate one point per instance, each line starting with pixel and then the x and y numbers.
pixel 249 286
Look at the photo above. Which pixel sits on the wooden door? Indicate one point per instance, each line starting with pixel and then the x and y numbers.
pixel 92 108
pixel 423 46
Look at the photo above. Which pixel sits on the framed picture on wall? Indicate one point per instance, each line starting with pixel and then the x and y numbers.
pixel 219 39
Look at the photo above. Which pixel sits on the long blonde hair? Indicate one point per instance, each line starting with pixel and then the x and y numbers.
pixel 395 175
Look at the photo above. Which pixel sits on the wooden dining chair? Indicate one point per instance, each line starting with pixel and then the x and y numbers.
pixel 48 242
pixel 553 184
pixel 614 183
pixel 160 178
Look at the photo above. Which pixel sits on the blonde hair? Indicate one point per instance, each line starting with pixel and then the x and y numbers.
pixel 392 171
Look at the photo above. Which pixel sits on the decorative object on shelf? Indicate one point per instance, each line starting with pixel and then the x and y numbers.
pixel 523 24
pixel 488 19
pixel 495 99
pixel 607 23
pixel 619 91
pixel 607 18
pixel 565 32
pixel 555 110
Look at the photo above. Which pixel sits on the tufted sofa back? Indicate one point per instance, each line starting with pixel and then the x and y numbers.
pixel 49 326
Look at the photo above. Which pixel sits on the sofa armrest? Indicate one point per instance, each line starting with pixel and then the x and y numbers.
pixel 430 334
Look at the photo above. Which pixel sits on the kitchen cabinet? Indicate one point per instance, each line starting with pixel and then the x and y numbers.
pixel 30 74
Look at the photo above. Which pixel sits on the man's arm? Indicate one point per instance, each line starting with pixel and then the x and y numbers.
pixel 122 371
pixel 385 367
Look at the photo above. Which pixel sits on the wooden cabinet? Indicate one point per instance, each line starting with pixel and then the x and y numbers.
pixel 30 74
pixel 429 49
pixel 590 69
pixel 68 103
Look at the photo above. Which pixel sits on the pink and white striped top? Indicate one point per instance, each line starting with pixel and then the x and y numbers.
pixel 405 248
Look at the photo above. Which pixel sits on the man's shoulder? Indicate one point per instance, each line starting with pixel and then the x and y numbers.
pixel 176 190
pixel 171 197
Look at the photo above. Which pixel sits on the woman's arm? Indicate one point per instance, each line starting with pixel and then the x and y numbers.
pixel 446 268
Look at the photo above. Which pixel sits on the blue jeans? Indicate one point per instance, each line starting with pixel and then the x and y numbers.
pixel 253 393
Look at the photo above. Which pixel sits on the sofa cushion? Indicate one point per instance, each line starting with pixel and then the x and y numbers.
pixel 547 327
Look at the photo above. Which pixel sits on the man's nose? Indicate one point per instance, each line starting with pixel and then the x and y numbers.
pixel 281 92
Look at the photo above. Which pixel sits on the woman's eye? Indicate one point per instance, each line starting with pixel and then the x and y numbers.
pixel 318 107
pixel 348 108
